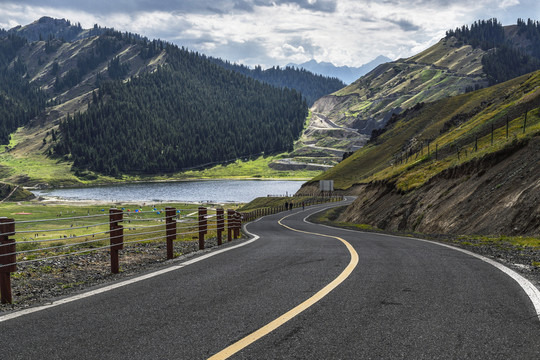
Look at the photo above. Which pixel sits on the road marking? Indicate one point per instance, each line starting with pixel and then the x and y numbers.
pixel 126 282
pixel 530 289
pixel 265 330
pixel 122 283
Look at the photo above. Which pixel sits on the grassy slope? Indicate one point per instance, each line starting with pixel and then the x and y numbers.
pixel 257 168
pixel 31 167
pixel 380 161
pixel 438 72
pixel 9 192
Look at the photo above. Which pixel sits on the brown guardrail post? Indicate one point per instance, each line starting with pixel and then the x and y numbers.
pixel 220 223
pixel 234 220
pixel 230 223
pixel 202 226
pixel 237 224
pixel 116 237
pixel 170 230
pixel 8 258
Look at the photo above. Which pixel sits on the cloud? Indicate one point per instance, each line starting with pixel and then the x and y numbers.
pixel 243 6
pixel 405 25
pixel 276 32
pixel 185 6
pixel 290 51
pixel 508 3
pixel 248 52
pixel 316 5
pixel 104 7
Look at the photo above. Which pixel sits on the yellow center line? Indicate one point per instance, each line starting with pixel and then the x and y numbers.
pixel 265 330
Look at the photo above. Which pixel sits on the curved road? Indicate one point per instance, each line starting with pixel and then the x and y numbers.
pixel 403 299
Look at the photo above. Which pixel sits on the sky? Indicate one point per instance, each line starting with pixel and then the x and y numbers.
pixel 269 33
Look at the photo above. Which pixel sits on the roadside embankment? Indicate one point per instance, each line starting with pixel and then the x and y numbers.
pixel 498 194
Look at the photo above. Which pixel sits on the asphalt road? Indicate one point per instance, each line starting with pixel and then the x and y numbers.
pixel 405 299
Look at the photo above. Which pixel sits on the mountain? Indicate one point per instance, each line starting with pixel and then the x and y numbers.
pixel 466 59
pixel 347 74
pixel 20 101
pixel 311 86
pixel 47 28
pixel 167 108
pixel 466 164
pixel 193 113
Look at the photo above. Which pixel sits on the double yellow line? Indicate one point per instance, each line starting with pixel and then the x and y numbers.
pixel 251 338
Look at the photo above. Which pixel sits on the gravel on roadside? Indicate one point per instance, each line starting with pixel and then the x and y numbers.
pixel 42 282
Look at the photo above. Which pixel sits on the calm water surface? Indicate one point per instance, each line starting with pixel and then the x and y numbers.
pixel 184 191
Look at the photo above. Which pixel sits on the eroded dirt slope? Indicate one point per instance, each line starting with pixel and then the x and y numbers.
pixel 498 194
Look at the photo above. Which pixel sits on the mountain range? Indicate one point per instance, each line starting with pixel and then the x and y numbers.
pixel 347 74
pixel 466 59
pixel 82 105
pixel 183 108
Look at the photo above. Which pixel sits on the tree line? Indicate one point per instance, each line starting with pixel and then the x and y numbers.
pixel 20 101
pixel 485 34
pixel 503 60
pixel 312 86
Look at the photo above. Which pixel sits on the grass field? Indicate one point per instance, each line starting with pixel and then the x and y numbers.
pixel 33 169
pixel 257 168
pixel 43 230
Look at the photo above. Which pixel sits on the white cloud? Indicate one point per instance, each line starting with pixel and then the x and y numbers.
pixel 508 3
pixel 289 49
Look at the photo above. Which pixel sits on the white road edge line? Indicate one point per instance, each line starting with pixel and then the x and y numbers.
pixel 124 283
pixel 532 291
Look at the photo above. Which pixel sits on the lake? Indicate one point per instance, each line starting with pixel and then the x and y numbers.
pixel 181 191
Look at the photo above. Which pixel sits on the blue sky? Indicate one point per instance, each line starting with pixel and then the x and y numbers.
pixel 251 32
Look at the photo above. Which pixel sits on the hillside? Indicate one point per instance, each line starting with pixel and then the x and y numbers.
pixel 188 118
pixel 9 192
pixel 51 69
pixel 311 86
pixel 466 59
pixel 464 164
